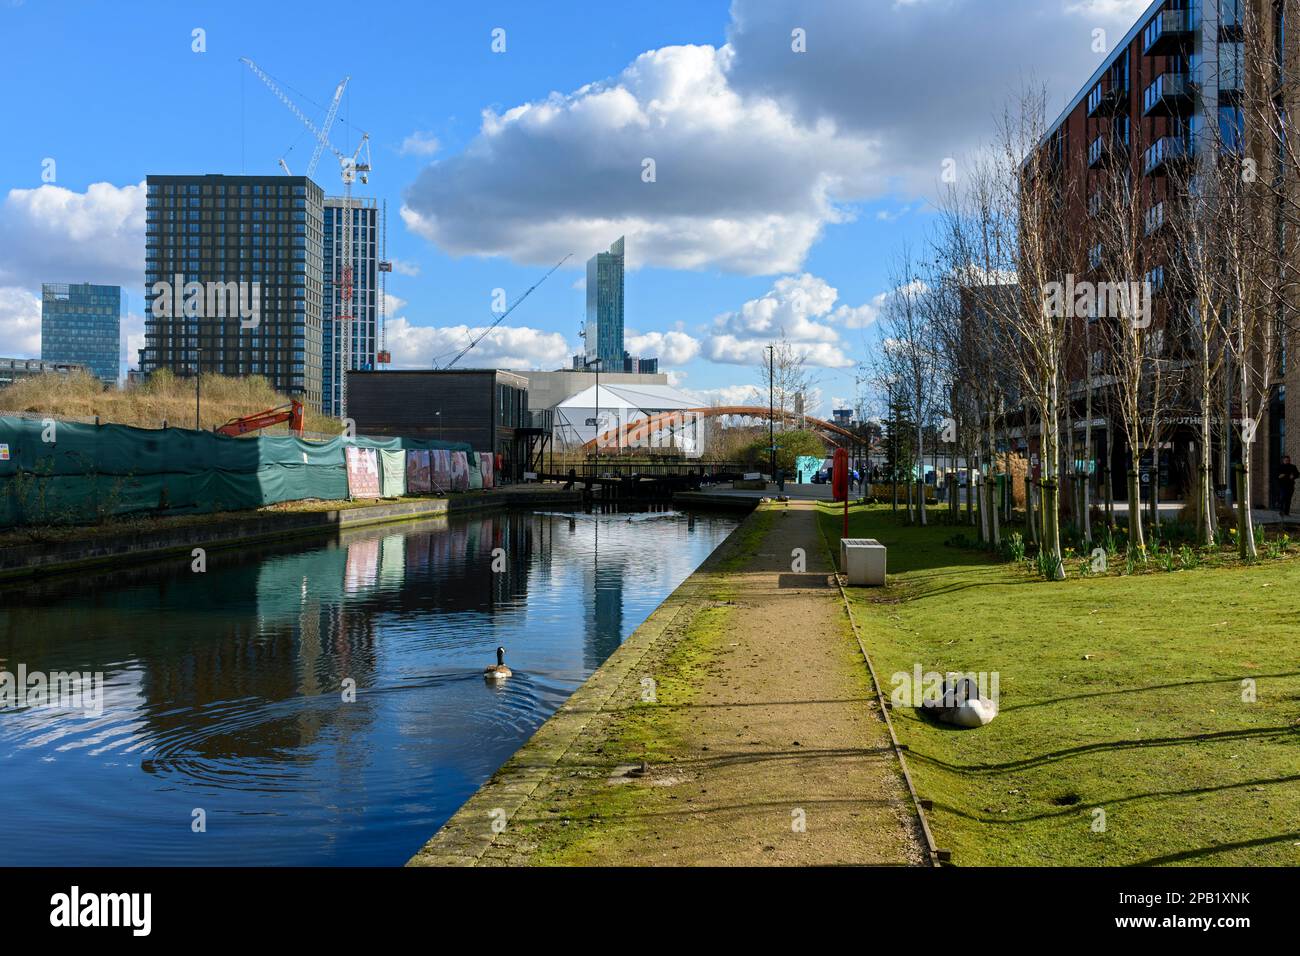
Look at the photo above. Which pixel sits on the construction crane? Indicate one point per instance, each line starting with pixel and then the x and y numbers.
pixel 350 168
pixel 384 357
pixel 291 413
pixel 321 134
pixel 502 317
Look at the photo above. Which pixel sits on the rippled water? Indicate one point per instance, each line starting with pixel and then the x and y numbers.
pixel 223 691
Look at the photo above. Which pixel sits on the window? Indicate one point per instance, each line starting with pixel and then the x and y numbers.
pixel 1232 128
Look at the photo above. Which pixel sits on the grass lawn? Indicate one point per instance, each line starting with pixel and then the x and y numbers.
pixel 1120 693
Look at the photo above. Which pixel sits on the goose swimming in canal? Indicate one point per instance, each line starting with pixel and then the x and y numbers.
pixel 498 671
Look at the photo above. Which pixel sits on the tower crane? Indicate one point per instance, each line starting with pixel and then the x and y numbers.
pixel 350 168
pixel 502 317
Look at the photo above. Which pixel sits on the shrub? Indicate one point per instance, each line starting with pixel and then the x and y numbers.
pixel 1013 547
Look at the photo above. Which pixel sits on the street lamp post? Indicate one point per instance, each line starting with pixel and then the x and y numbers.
pixel 198 375
pixel 771 408
pixel 588 364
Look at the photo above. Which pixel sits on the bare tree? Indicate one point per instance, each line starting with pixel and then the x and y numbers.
pixel 1028 227
pixel 910 354
pixel 1124 260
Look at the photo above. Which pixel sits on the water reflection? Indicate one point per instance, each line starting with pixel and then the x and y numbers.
pixel 227 691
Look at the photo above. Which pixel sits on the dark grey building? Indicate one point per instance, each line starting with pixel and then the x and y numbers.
pixel 13 369
pixel 82 324
pixel 233 279
pixel 488 408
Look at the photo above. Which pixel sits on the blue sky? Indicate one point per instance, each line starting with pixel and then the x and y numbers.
pixel 784 179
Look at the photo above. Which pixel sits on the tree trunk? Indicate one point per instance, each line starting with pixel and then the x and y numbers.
pixel 1108 490
pixel 1031 527
pixel 995 538
pixel 1245 520
pixel 970 491
pixel 1051 450
pixel 1135 538
pixel 920 468
pixel 1052 529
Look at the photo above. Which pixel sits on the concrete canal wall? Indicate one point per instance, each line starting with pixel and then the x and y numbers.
pixel 80 548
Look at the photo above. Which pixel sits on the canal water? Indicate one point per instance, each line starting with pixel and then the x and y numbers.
pixel 226 734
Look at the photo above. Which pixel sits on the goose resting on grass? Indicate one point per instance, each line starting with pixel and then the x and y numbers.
pixel 961 704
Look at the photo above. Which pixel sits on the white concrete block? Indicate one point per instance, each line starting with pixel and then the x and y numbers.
pixel 863 561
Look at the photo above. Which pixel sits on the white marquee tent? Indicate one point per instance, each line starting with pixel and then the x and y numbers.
pixel 579 419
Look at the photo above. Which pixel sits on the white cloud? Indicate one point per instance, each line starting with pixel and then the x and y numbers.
pixel 52 234
pixel 740 184
pixel 404 268
pixel 870 67
pixel 671 348
pixel 20 323
pixel 1109 9
pixel 132 338
pixel 726 395
pixel 518 347
pixel 733 351
pixel 756 148
pixel 419 143
pixel 393 304
pixel 801 309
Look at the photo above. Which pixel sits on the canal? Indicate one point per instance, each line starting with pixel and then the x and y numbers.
pixel 315 702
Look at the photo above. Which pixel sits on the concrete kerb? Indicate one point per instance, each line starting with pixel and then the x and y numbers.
pixel 933 854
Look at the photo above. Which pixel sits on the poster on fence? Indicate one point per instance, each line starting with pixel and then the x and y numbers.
pixel 363 471
pixel 485 463
pixel 459 471
pixel 417 472
pixel 441 470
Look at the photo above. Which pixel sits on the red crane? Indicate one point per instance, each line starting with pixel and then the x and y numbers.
pixel 291 413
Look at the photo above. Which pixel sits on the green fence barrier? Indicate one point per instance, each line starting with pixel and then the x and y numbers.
pixel 73 473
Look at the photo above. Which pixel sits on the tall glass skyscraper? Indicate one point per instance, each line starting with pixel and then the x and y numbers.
pixel 82 323
pixel 365 294
pixel 605 308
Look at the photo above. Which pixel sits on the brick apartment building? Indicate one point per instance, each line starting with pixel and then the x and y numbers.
pixel 1167 93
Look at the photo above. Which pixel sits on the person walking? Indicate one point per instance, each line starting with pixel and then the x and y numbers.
pixel 1286 484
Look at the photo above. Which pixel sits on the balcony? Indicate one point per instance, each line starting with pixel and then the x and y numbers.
pixel 1107 149
pixel 1170 95
pixel 1170 31
pixel 1107 102
pixel 1166 153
